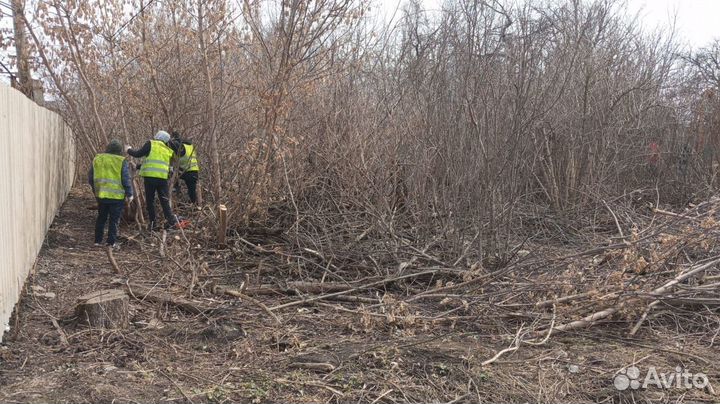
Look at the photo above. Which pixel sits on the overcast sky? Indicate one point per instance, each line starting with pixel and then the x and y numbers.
pixel 698 21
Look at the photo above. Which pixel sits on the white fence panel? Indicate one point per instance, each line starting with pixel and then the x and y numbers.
pixel 37 168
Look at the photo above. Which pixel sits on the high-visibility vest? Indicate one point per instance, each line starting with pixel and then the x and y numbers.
pixel 189 162
pixel 157 163
pixel 107 176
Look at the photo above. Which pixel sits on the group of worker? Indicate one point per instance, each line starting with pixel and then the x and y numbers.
pixel 111 180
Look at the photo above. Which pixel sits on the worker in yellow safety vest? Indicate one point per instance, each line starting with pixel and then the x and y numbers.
pixel 189 167
pixel 109 178
pixel 155 171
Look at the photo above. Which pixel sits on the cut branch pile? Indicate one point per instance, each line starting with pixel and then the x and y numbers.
pixel 372 275
pixel 667 263
pixel 321 298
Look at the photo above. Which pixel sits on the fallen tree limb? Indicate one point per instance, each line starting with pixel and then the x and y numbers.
pixel 513 347
pixel 163 242
pixel 673 214
pixel 293 287
pixel 355 289
pixel 690 272
pixel 298 288
pixel 519 340
pixel 643 317
pixel 563 299
pixel 353 299
pixel 589 320
pixel 61 332
pixel 461 284
pixel 177 386
pixel 655 294
pixel 691 301
pixel 322 367
pixel 114 263
pixel 143 293
pixel 413 318
pixel 222 290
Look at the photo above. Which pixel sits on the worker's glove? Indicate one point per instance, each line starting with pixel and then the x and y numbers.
pixel 127 147
pixel 130 199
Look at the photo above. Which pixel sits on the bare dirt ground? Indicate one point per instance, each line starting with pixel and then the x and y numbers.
pixel 382 339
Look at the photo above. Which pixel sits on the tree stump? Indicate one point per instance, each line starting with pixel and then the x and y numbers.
pixel 104 309
pixel 222 226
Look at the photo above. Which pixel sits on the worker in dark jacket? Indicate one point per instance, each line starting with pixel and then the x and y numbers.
pixel 155 171
pixel 110 180
pixel 189 167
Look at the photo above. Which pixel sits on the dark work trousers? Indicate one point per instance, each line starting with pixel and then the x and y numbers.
pixel 191 180
pixel 160 186
pixel 112 208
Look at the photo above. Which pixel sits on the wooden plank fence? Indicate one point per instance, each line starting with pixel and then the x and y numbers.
pixel 37 169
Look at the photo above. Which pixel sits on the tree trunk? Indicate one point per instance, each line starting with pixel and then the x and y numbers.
pixel 210 122
pixel 21 48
